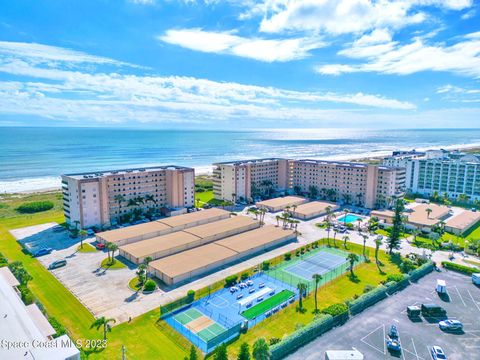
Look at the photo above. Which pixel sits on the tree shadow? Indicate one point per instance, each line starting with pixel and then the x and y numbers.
pixel 354 278
pixel 94 350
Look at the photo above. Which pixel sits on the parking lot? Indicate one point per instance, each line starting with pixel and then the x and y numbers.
pixel 367 331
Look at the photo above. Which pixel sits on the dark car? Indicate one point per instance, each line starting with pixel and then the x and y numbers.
pixel 57 264
pixel 44 251
pixel 393 345
pixel 393 332
pixel 433 310
pixel 413 311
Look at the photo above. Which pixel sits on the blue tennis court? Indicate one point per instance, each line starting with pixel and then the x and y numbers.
pixel 318 263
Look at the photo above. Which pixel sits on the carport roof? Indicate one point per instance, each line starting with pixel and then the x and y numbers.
pixel 463 220
pixel 281 201
pixel 221 226
pixel 314 207
pixel 191 260
pixel 158 244
pixel 132 231
pixel 193 217
pixel 254 238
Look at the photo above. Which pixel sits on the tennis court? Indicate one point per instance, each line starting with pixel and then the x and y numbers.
pixel 211 331
pixel 268 304
pixel 188 316
pixel 319 263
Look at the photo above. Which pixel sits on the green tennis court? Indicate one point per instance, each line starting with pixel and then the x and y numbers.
pixel 210 332
pixel 268 304
pixel 188 315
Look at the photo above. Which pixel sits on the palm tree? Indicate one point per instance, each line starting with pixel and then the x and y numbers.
pixel 112 247
pixel 119 199
pixel 345 239
pixel 317 278
pixel 429 211
pixel 132 202
pixel 278 220
pixel 334 238
pixel 107 246
pixel 83 234
pixel 76 222
pixel 102 321
pixel 347 198
pixel 302 289
pixel 328 234
pixel 359 198
pixel 234 198
pixel 365 237
pixel 359 221
pixel 260 350
pixel 352 258
pixel 345 213
pixel 141 273
pixel 262 216
pixel 378 243
pixel 150 198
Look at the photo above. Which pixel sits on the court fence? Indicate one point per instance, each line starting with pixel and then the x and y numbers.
pixel 176 304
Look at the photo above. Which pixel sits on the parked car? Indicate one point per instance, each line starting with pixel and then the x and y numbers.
pixel 58 228
pixel 441 287
pixel 433 310
pixel 90 232
pixel 438 353
pixel 393 332
pixel 413 311
pixel 100 246
pixel 450 325
pixel 393 345
pixel 476 279
pixel 43 251
pixel 57 264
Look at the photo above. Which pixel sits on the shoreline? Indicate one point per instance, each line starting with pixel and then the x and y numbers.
pixel 207 170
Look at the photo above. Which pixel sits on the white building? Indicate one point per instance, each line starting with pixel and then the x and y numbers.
pixel 400 158
pixel 25 333
pixel 98 199
pixel 452 173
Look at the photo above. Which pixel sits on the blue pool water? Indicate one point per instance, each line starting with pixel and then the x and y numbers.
pixel 349 218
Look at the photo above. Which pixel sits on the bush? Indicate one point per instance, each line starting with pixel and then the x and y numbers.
pixel 274 341
pixel 3 260
pixel 395 277
pixel 287 256
pixel 26 294
pixel 265 265
pixel 244 276
pixel 34 207
pixel 460 268
pixel 368 288
pixel 231 280
pixel 149 285
pixel 406 266
pixel 336 309
pixel 190 295
pixel 59 329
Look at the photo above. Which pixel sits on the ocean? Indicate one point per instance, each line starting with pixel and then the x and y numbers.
pixel 34 158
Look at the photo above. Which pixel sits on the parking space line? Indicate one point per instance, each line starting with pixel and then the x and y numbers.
pixel 415 349
pixel 403 349
pixel 374 347
pixel 461 298
pixel 478 308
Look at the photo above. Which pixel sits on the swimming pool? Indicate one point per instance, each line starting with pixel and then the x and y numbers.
pixel 349 218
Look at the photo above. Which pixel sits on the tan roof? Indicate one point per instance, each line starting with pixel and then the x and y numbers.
pixel 282 201
pixel 314 207
pixel 220 226
pixel 193 259
pixel 420 216
pixel 463 220
pixel 384 213
pixel 132 231
pixel 254 238
pixel 193 217
pixel 158 244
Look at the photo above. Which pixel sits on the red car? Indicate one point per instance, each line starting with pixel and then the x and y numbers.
pixel 100 246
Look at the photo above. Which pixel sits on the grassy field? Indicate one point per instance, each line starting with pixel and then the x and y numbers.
pixel 144 337
pixel 204 197
pixel 87 248
pixel 107 264
pixel 268 304
pixel 338 290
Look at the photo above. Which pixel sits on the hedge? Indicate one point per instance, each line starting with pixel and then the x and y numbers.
pixel 362 302
pixel 34 207
pixel 421 271
pixel 460 268
pixel 336 309
pixel 3 260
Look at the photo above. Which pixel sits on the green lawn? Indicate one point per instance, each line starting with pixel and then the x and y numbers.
pixel 268 304
pixel 145 337
pixel 134 284
pixel 204 196
pixel 87 248
pixel 117 264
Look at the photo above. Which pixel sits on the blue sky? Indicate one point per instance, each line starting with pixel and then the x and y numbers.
pixel 240 64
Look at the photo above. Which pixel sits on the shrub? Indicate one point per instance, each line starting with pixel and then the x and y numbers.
pixel 244 276
pixel 287 256
pixel 265 265
pixel 26 294
pixel 149 285
pixel 230 280
pixel 3 260
pixel 395 277
pixel 336 309
pixel 274 341
pixel 460 268
pixel 368 288
pixel 190 295
pixel 59 329
pixel 406 266
pixel 34 207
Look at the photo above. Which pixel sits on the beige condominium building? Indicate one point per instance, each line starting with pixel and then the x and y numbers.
pixel 99 198
pixel 247 179
pixel 352 183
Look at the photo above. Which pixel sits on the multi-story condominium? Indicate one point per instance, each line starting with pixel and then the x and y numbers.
pixel 250 178
pixel 400 158
pixel 99 199
pixel 353 183
pixel 453 173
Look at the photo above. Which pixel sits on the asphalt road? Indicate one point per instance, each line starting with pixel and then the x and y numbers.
pixel 367 331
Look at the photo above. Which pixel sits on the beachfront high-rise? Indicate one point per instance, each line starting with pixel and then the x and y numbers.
pixel 100 198
pixel 366 185
pixel 453 173
pixel 244 179
pixel 354 183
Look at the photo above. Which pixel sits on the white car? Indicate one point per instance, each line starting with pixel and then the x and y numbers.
pixel 438 353
pixel 242 285
pixel 233 289
pixel 452 325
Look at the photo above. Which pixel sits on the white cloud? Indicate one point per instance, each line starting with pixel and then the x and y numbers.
pixel 459 94
pixel 345 16
pixel 462 58
pixel 469 14
pixel 266 50
pixel 143 2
